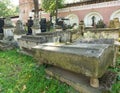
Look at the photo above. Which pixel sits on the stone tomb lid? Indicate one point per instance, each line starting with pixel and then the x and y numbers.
pixel 89 50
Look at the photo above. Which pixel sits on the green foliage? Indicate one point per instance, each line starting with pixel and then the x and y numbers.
pixel 116 86
pixel 20 74
pixel 7 9
pixel 50 5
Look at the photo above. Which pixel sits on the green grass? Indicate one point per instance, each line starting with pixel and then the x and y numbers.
pixel 116 86
pixel 20 74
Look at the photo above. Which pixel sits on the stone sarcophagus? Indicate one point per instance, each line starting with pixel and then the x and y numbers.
pixel 91 60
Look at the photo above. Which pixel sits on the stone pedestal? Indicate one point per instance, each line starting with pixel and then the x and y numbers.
pixel 16 37
pixel 8 29
pixel 58 29
pixel 8 32
pixel 36 27
pixel 35 31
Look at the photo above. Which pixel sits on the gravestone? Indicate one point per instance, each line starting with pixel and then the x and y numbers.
pixel 19 28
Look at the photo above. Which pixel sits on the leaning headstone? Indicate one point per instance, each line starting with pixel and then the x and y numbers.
pixel 36 26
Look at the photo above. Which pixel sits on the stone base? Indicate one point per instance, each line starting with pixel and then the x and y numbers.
pixel 79 82
pixel 6 46
pixel 36 31
pixel 8 32
pixel 1 36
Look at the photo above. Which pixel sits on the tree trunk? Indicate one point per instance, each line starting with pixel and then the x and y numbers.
pixel 56 11
pixel 36 8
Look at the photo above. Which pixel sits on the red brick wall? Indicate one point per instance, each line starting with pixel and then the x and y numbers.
pixel 105 12
pixel 26 6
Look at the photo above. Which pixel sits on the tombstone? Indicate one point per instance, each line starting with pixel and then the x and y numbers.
pixel 43 25
pixel 36 26
pixel 8 29
pixel 30 24
pixel 19 28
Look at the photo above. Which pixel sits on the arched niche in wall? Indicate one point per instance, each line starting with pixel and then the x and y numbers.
pixel 115 14
pixel 72 19
pixel 88 19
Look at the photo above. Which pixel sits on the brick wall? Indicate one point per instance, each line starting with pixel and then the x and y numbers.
pixel 104 9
